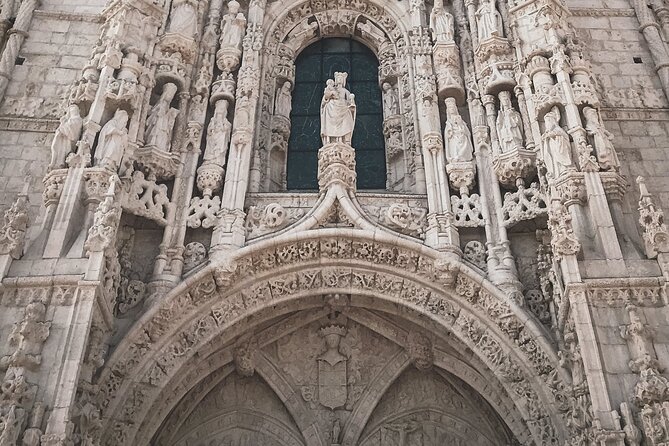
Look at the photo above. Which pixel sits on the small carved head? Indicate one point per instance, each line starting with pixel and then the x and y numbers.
pixel 121 117
pixel 340 78
pixel 233 7
pixel 169 90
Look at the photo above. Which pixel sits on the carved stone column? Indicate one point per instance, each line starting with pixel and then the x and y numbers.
pixel 229 230
pixel 441 232
pixel 658 49
pixel 15 40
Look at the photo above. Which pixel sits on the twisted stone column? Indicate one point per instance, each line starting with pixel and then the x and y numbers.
pixel 14 42
pixel 651 32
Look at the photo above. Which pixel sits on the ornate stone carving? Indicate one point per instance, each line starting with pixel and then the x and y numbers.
pixel 102 234
pixel 336 163
pixel 27 338
pixel 146 198
pixel 476 253
pixel 195 254
pixel 419 348
pixel 14 227
pixel 563 239
pixel 467 211
pixel 524 204
pixel 402 218
pixel 651 218
pixel 271 218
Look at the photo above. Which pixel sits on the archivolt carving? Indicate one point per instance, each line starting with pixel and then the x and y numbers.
pixel 266 275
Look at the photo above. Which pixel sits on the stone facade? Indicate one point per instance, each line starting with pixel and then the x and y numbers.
pixel 159 285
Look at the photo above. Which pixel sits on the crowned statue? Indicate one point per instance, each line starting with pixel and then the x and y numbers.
pixel 509 124
pixel 338 111
pixel 457 137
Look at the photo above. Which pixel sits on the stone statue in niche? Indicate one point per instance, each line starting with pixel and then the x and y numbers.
pixel 283 102
pixel 112 142
pixel 602 139
pixel 556 147
pixel 336 431
pixel 441 22
pixel 218 135
pixel 338 111
pixel 183 19
pixel 67 135
pixel 509 124
pixel 161 120
pixel 457 137
pixel 234 25
pixel 391 101
pixel 489 20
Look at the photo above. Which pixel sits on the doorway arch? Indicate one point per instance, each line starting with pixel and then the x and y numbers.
pixel 170 348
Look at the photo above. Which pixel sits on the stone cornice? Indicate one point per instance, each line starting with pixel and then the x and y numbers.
pixel 68 16
pixel 28 124
pixel 602 12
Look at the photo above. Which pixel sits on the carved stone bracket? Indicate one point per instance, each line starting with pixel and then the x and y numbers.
pixel 336 164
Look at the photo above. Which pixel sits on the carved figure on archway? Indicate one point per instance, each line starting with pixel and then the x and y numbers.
pixel 67 134
pixel 441 22
pixel 602 138
pixel 338 111
pixel 161 120
pixel 218 135
pixel 555 144
pixel 284 100
pixel 489 20
pixel 509 124
pixel 113 141
pixel 457 137
pixel 391 101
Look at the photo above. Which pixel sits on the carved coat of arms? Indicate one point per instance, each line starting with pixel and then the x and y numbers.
pixel 332 379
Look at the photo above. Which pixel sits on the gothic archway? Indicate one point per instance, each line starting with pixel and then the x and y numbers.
pixel 167 351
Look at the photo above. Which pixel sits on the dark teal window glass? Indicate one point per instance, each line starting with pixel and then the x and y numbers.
pixel 315 65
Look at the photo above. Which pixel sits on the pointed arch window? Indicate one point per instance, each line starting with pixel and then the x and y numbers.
pixel 313 67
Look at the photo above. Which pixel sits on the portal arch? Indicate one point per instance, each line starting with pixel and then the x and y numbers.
pixel 293 272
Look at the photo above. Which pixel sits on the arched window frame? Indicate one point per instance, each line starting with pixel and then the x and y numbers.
pixel 404 164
